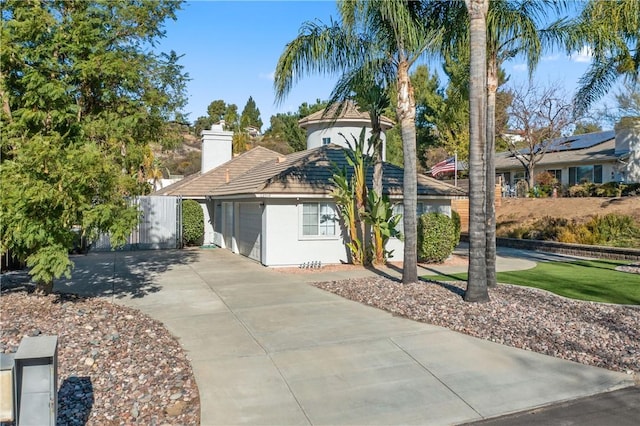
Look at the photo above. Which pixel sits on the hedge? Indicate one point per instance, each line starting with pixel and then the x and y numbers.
pixel 192 223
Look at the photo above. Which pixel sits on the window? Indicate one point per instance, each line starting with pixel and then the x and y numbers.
pixel 326 141
pixel 583 174
pixel 318 219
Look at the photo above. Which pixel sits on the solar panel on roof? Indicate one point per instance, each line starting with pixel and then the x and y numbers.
pixel 569 143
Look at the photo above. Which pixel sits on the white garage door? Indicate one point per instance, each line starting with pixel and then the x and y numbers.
pixel 250 230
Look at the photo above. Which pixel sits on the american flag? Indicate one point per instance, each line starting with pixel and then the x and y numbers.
pixel 448 165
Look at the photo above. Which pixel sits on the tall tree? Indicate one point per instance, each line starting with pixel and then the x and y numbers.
pixel 477 277
pixel 82 97
pixel 513 28
pixel 539 115
pixel 250 116
pixel 610 30
pixel 384 39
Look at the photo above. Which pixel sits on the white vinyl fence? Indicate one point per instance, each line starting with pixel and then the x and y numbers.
pixel 160 225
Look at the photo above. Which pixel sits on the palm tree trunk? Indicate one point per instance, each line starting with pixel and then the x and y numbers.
pixel 490 177
pixel 477 282
pixel 407 115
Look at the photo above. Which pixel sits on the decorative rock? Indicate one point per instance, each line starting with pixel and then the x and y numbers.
pixel 104 374
pixel 175 409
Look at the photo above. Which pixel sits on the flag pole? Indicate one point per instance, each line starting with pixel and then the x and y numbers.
pixel 455 168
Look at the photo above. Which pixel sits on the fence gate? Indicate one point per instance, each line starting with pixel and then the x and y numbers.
pixel 160 225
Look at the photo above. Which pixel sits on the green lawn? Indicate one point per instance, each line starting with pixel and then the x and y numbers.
pixel 594 280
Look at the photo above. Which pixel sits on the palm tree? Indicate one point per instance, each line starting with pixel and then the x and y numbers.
pixel 512 29
pixel 383 38
pixel 611 31
pixel 477 282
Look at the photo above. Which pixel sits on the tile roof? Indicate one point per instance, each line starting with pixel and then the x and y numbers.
pixel 200 185
pixel 350 112
pixel 586 150
pixel 309 172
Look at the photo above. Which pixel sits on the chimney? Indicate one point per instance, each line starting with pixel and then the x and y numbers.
pixel 627 134
pixel 628 147
pixel 216 147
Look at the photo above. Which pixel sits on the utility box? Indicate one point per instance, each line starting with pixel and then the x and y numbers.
pixel 36 372
pixel 7 389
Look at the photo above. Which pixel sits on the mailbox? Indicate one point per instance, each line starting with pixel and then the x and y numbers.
pixel 36 373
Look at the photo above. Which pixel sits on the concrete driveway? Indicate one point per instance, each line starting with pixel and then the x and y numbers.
pixel 269 349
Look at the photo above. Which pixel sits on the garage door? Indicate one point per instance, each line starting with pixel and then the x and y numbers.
pixel 250 230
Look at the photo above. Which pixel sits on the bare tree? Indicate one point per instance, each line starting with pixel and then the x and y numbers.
pixel 538 115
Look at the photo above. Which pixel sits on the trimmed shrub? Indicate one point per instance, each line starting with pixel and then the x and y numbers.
pixel 436 237
pixel 455 217
pixel 192 223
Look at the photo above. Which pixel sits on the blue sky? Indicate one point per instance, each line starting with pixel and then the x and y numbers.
pixel 231 49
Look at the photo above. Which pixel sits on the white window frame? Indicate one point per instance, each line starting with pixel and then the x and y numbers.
pixel 326 141
pixel 323 209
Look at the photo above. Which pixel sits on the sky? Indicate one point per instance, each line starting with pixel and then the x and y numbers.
pixel 231 49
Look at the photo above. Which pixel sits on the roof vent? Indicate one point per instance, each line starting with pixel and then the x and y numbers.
pixel 281 159
pixel 226 176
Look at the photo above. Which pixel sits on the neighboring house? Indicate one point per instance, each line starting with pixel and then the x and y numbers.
pixel 279 211
pixel 598 157
pixel 323 128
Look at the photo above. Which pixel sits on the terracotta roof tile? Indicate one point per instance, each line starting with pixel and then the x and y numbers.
pixel 200 185
pixel 309 172
pixel 350 112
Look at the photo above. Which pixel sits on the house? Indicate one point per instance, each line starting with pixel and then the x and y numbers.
pixel 278 209
pixel 600 157
pixel 324 127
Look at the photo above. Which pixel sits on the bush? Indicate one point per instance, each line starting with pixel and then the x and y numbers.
pixel 614 230
pixel 436 237
pixel 192 223
pixel 455 217
pixel 581 190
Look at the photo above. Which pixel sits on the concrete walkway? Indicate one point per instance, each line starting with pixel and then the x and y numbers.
pixel 269 349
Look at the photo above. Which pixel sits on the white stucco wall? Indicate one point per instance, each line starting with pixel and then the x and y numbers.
pixel 207 210
pixel 283 243
pixel 317 131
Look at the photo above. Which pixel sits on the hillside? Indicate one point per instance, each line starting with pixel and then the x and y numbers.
pixel 518 212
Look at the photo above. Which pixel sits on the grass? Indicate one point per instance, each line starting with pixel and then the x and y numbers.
pixel 592 280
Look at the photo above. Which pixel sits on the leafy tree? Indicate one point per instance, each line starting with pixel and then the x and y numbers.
pixel 284 127
pixel 202 123
pixel 539 115
pixel 250 115
pixel 82 97
pixel 217 110
pixel 586 126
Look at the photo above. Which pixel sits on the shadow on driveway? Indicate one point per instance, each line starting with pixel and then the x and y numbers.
pixel 121 274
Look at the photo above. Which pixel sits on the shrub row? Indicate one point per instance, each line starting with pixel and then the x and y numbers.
pixel 613 230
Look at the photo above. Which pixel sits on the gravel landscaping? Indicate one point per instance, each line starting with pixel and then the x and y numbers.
pixel 115 364
pixel 596 334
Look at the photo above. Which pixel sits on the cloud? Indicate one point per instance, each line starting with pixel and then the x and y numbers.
pixel 520 67
pixel 269 76
pixel 551 58
pixel 584 55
